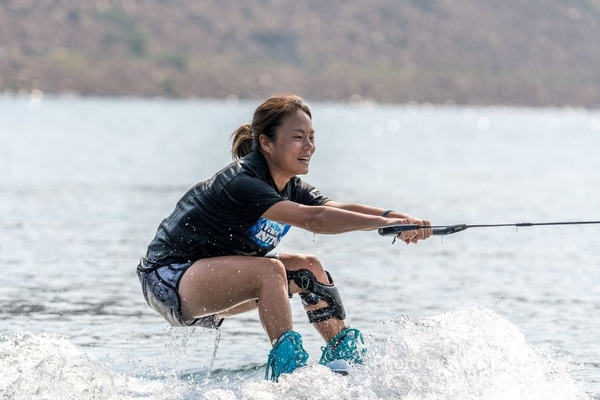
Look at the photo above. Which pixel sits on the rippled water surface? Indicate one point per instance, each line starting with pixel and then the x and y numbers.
pixel 498 313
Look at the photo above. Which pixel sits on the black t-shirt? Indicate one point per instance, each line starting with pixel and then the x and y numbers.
pixel 222 215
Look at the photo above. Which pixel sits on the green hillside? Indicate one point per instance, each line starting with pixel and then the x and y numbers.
pixel 523 52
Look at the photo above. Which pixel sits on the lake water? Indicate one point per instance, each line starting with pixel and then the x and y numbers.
pixel 488 313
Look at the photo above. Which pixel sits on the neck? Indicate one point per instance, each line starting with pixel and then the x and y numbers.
pixel 280 181
pixel 280 177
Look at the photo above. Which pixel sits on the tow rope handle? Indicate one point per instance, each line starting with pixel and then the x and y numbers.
pixel 394 230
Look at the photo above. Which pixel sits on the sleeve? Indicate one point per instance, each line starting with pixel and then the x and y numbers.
pixel 307 194
pixel 250 194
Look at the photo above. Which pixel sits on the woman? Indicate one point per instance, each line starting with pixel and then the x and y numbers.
pixel 209 258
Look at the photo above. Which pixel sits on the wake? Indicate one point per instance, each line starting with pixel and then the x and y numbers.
pixel 472 353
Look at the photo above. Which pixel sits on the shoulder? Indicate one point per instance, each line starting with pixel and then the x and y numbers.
pixel 254 164
pixel 249 181
pixel 305 193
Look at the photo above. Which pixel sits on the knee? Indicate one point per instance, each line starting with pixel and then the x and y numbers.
pixel 313 264
pixel 276 271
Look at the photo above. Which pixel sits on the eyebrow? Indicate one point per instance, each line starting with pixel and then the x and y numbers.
pixel 302 130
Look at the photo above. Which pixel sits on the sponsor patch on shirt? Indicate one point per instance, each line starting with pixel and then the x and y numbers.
pixel 315 194
pixel 267 234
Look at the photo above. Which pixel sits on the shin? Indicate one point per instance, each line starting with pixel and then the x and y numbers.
pixel 317 291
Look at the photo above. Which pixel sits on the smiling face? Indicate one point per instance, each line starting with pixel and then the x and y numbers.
pixel 289 153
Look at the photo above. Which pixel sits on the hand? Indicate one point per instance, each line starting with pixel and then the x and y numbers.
pixel 417 234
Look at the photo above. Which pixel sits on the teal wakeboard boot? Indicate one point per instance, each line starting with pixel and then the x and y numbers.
pixel 345 348
pixel 286 356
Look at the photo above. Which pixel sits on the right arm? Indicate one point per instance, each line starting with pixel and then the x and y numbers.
pixel 327 220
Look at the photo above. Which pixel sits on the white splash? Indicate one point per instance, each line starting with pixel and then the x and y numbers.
pixel 471 353
pixel 467 354
pixel 44 367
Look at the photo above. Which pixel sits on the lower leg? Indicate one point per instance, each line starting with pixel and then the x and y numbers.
pixel 275 312
pixel 329 328
pixel 327 314
pixel 294 262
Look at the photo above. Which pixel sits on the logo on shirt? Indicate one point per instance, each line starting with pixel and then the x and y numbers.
pixel 267 234
pixel 315 193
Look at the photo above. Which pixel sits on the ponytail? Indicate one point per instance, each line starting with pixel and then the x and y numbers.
pixel 243 141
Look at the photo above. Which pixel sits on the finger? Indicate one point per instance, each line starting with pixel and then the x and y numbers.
pixel 407 235
pixel 426 231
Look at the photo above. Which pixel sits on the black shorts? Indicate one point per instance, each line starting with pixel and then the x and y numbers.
pixel 161 291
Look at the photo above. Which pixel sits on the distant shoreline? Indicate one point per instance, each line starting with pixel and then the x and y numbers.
pixel 427 51
pixel 26 96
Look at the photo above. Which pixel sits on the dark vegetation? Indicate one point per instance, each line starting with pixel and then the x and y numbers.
pixel 514 52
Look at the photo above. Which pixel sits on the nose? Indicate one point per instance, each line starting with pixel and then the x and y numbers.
pixel 309 144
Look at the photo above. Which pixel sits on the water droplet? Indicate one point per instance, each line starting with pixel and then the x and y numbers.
pixel 232 100
pixel 376 130
pixel 470 114
pixel 483 123
pixel 393 125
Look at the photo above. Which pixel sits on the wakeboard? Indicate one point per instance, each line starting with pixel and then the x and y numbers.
pixel 339 367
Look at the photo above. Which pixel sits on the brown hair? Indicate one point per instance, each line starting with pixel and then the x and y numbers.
pixel 267 118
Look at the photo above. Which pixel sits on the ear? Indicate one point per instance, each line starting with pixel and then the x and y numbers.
pixel 265 143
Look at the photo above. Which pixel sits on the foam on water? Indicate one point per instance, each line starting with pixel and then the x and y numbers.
pixel 471 353
pixel 44 367
pixel 467 354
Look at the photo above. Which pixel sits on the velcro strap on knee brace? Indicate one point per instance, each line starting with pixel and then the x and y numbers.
pixel 306 280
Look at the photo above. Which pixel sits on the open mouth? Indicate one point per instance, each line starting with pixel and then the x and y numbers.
pixel 304 159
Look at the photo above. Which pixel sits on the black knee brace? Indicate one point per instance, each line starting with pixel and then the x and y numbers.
pixel 306 280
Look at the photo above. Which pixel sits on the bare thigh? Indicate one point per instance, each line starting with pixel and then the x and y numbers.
pixel 228 285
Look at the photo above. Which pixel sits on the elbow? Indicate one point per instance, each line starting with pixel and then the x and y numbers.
pixel 316 220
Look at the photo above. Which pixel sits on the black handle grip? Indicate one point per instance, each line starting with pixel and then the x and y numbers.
pixel 394 230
